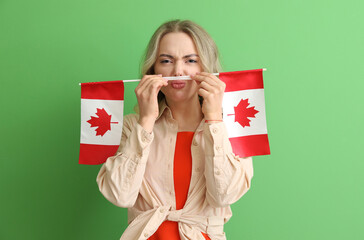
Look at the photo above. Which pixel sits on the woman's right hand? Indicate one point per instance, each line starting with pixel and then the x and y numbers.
pixel 147 96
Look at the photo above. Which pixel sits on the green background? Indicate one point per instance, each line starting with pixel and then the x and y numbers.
pixel 310 187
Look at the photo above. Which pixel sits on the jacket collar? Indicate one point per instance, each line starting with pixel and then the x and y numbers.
pixel 162 107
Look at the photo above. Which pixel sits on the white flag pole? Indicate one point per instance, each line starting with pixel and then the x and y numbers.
pixel 173 78
pixel 170 78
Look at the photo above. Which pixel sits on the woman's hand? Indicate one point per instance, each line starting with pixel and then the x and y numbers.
pixel 212 90
pixel 147 96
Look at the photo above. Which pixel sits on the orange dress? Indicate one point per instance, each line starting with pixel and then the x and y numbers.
pixel 182 170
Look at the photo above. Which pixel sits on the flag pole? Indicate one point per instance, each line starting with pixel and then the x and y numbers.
pixel 170 78
pixel 173 78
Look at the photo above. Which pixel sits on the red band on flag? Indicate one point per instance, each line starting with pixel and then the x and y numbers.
pixel 93 154
pixel 111 90
pixel 242 80
pixel 253 145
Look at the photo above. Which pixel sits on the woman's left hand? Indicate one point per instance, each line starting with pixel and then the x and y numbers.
pixel 212 90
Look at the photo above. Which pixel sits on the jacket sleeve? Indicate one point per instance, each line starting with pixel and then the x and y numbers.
pixel 120 177
pixel 228 176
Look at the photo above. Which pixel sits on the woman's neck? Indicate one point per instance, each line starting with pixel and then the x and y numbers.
pixel 188 114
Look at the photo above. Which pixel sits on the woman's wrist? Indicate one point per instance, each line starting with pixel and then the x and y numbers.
pixel 212 120
pixel 213 116
pixel 147 123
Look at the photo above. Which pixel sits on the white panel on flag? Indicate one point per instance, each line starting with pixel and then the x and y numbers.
pixel 257 123
pixel 112 107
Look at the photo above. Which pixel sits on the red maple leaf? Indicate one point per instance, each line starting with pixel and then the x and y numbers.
pixel 102 122
pixel 242 112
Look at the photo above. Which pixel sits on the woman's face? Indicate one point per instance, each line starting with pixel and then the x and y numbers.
pixel 177 56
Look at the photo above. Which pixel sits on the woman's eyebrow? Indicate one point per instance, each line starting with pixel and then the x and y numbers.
pixel 170 56
pixel 191 55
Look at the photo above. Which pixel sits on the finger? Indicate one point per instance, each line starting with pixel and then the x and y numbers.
pixel 147 80
pixel 142 85
pixel 206 86
pixel 212 87
pixel 143 82
pixel 214 81
pixel 154 85
pixel 205 78
pixel 159 80
pixel 159 76
pixel 203 93
pixel 214 78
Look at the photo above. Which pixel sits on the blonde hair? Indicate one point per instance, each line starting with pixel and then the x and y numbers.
pixel 206 47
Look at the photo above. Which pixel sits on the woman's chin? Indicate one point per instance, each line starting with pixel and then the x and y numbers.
pixel 175 98
pixel 180 97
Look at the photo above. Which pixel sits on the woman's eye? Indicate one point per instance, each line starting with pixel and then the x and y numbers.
pixel 192 61
pixel 165 61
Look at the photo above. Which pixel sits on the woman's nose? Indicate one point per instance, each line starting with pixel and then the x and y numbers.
pixel 178 69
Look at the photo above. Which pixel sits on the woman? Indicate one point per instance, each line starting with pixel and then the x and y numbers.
pixel 175 170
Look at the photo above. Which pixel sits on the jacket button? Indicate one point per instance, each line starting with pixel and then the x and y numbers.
pixel 217 172
pixel 194 143
pixel 214 130
pixel 146 235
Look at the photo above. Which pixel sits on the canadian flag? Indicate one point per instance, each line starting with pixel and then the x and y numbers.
pixel 244 112
pixel 102 107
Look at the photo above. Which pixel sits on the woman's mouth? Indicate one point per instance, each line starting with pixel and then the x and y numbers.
pixel 177 84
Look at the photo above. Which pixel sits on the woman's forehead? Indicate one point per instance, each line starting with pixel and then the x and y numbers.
pixel 177 43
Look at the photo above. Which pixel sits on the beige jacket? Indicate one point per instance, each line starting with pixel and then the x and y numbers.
pixel 140 177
